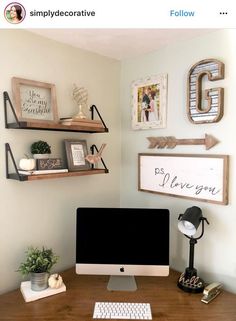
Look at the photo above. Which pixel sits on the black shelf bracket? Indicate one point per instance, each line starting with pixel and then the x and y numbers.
pixel 7 101
pixel 15 175
pixel 94 148
pixel 94 108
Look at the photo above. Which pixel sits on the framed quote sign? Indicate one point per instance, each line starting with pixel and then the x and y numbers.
pixel 76 151
pixel 34 101
pixel 200 177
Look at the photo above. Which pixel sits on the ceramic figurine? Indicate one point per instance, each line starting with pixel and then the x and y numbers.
pixel 93 159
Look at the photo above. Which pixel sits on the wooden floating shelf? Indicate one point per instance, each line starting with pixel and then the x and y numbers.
pixel 87 126
pixel 57 175
pixel 56 127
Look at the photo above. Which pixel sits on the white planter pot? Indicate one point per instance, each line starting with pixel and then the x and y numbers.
pixel 40 156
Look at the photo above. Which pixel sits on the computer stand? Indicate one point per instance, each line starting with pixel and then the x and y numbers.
pixel 121 283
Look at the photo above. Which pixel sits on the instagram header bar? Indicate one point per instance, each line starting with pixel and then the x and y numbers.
pixel 117 14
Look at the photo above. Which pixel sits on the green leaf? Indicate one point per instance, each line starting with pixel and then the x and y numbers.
pixel 38 260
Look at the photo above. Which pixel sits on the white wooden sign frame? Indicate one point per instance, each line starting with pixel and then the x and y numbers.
pixel 191 176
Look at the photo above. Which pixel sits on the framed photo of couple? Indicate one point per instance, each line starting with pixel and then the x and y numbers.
pixel 149 102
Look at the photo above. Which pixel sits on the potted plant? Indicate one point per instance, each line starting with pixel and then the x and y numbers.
pixel 40 149
pixel 38 265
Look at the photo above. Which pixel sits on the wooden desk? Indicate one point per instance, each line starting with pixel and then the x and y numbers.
pixel 168 302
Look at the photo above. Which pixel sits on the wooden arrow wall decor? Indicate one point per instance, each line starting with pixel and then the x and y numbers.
pixel 171 142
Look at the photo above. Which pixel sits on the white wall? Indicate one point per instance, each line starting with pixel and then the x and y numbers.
pixel 215 255
pixel 43 212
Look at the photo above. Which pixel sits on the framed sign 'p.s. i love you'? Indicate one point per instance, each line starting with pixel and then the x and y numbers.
pixel 199 177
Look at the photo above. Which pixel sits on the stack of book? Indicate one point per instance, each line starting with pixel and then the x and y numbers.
pixel 81 122
pixel 42 171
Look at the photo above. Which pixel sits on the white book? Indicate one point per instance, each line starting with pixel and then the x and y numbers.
pixel 30 295
pixel 43 171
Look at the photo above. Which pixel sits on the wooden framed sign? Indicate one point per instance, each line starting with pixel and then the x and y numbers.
pixel 35 101
pixel 200 177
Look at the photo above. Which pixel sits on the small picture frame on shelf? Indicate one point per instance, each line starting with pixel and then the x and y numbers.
pixel 76 151
pixel 35 101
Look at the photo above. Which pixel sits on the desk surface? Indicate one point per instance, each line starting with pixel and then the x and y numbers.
pixel 168 302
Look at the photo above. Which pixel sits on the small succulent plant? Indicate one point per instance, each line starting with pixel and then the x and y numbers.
pixel 40 147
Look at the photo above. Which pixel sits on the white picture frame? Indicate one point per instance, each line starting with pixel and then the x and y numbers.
pixel 149 102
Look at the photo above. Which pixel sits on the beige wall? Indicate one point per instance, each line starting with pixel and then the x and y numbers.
pixel 43 212
pixel 215 256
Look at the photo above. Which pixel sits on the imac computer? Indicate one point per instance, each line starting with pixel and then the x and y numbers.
pixel 122 243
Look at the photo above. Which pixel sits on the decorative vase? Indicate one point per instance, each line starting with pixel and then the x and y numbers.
pixel 40 156
pixel 39 281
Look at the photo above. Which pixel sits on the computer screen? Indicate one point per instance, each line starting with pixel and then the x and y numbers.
pixel 122 242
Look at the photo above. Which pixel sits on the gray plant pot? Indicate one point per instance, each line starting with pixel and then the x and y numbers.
pixel 39 281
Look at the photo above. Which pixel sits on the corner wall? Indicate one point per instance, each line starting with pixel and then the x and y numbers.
pixel 215 257
pixel 43 212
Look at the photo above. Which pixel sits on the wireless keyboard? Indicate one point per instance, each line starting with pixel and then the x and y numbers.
pixel 122 310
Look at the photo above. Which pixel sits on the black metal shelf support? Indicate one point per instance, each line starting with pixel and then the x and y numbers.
pixel 7 99
pixel 15 175
pixel 94 148
pixel 92 108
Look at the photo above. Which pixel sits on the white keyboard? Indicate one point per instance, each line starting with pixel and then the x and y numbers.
pixel 122 310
